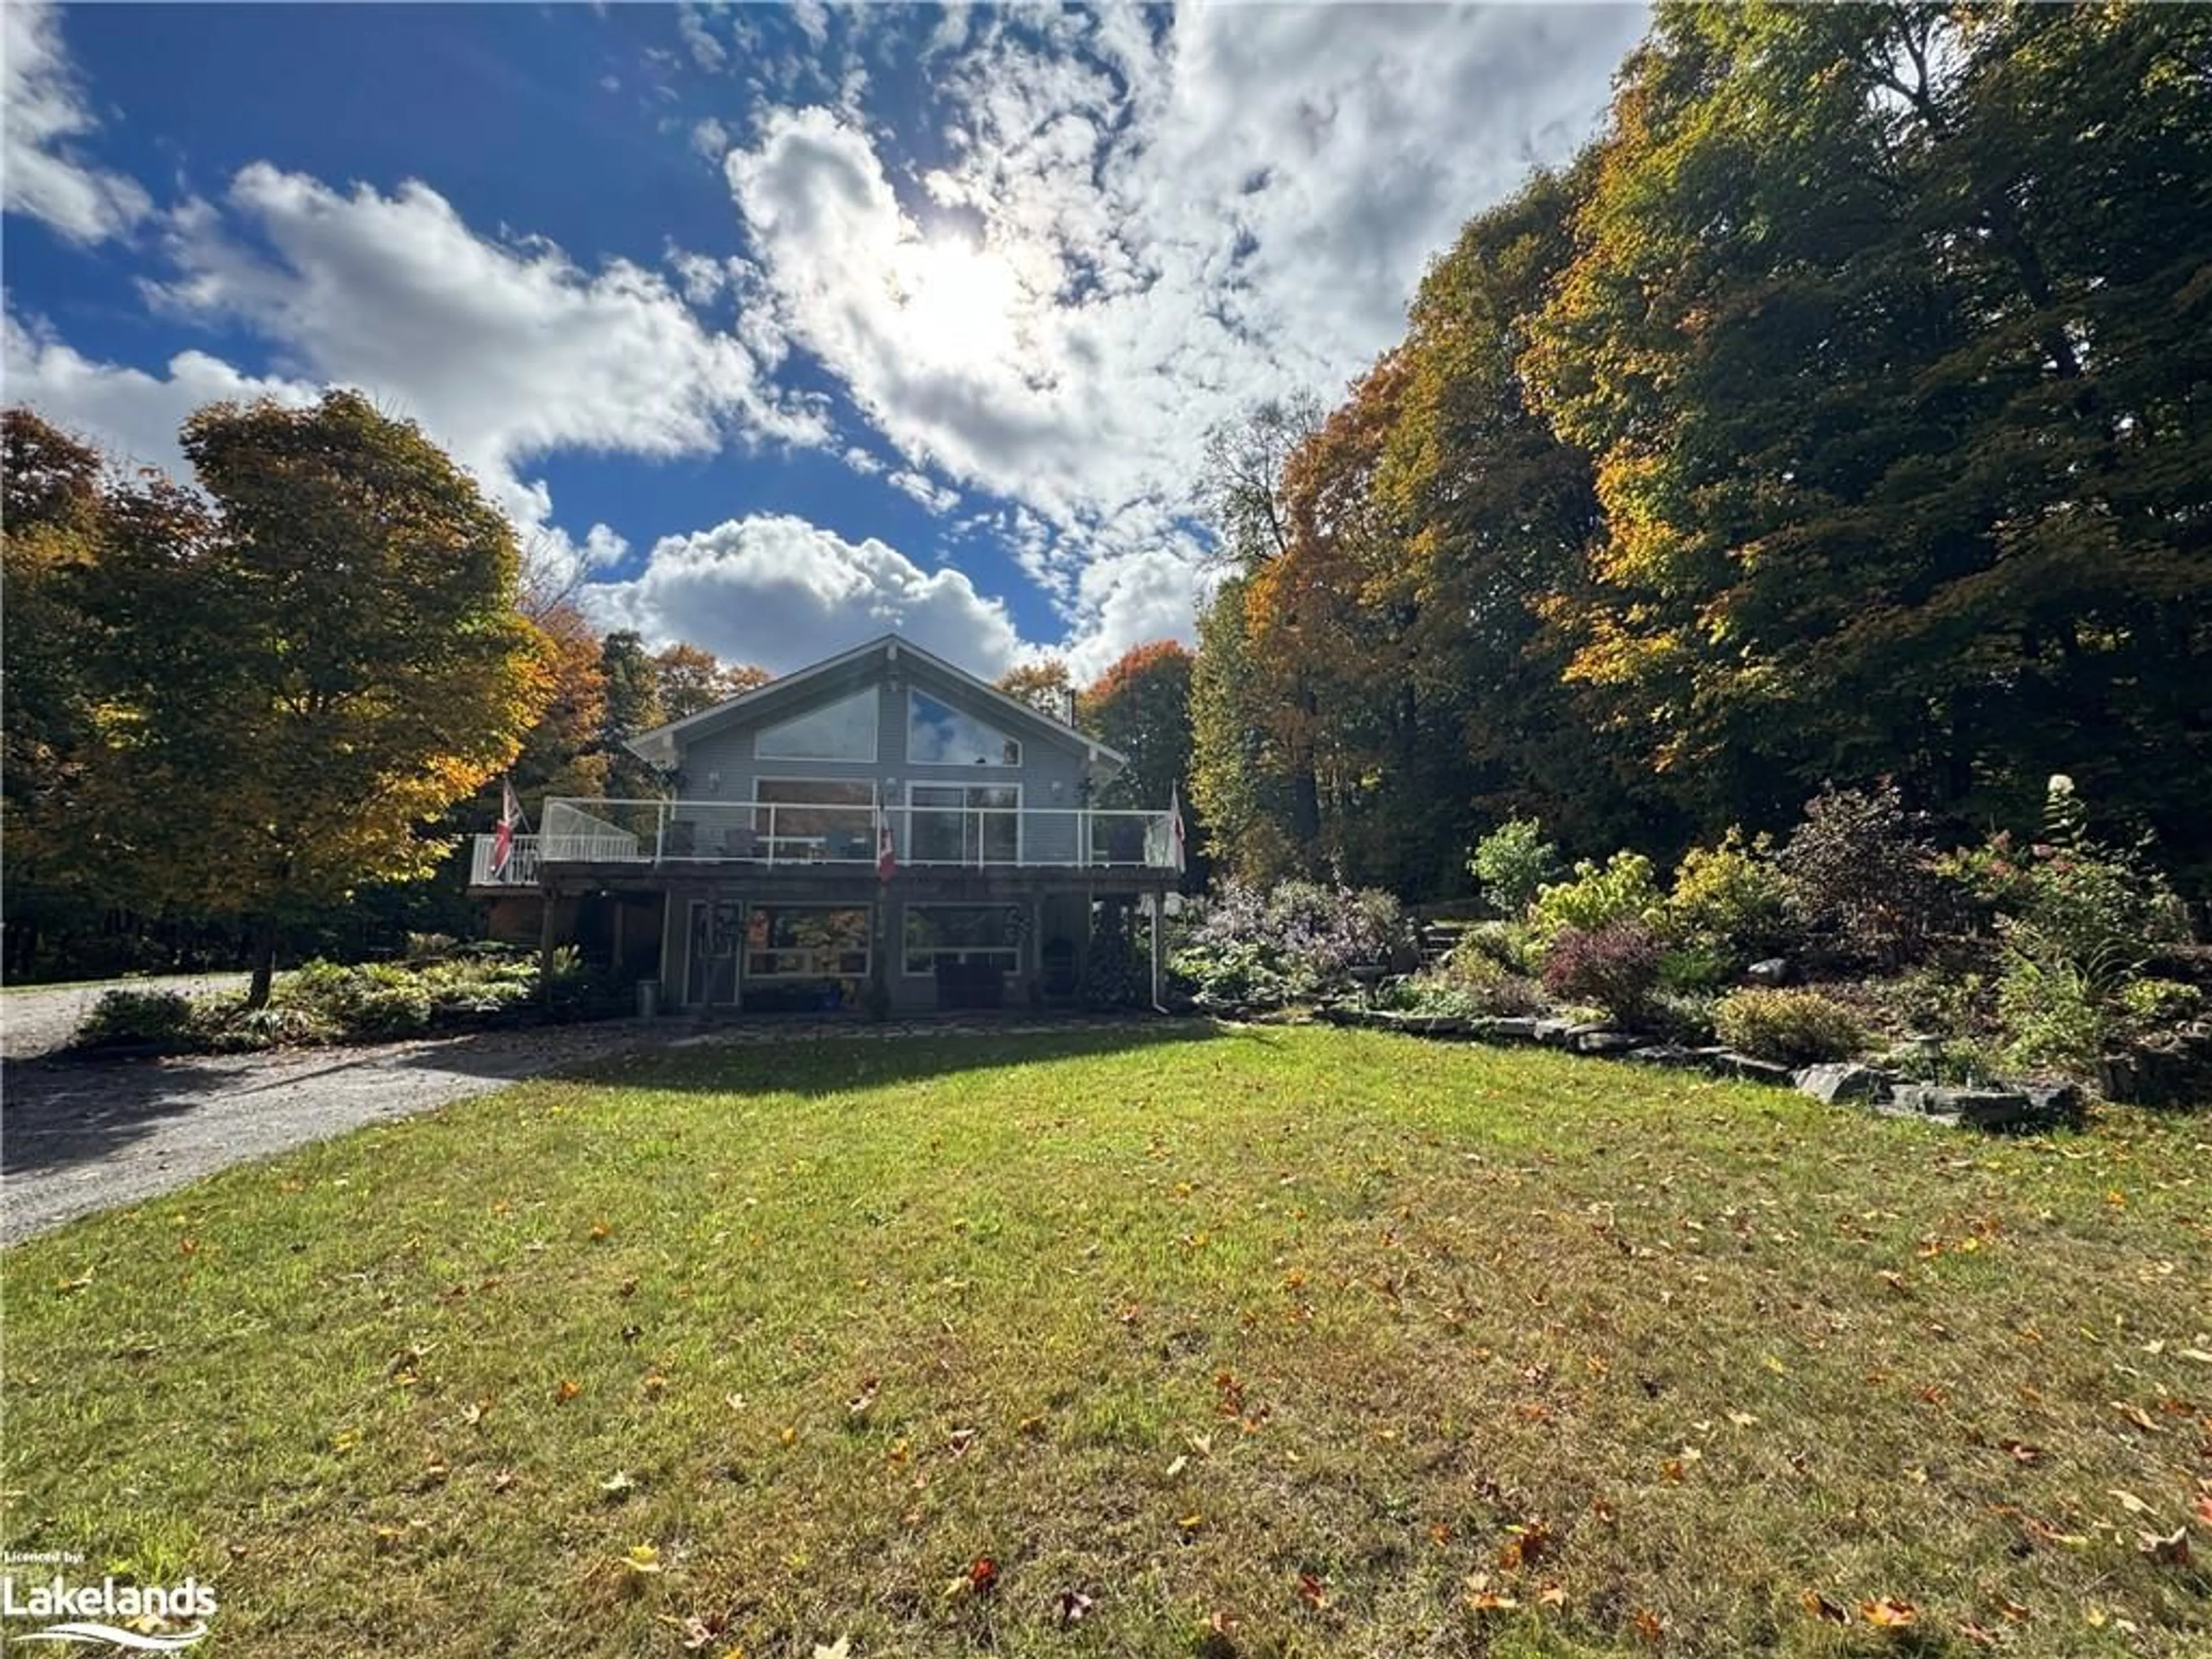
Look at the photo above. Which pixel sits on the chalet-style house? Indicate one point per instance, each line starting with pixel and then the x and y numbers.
pixel 880 828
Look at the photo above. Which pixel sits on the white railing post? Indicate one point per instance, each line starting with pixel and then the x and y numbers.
pixel 660 831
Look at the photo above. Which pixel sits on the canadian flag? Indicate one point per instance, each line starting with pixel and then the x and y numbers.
pixel 886 857
pixel 502 840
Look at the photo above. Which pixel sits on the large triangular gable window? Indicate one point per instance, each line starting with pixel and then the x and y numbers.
pixel 938 734
pixel 841 730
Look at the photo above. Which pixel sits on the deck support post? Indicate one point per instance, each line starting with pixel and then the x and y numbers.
pixel 545 948
pixel 1158 909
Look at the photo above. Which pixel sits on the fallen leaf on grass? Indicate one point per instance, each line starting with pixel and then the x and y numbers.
pixel 2169 1551
pixel 2129 1502
pixel 1074 1606
pixel 695 1632
pixel 1647 1625
pixel 1889 1613
pixel 2136 1415
pixel 840 1648
pixel 643 1560
pixel 2021 1452
pixel 568 1390
pixel 1312 1591
pixel 858 1404
pixel 1825 1610
pixel 982 1576
pixel 1979 1635
pixel 620 1484
pixel 1176 1468
pixel 1528 1545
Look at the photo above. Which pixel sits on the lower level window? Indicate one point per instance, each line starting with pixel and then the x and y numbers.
pixel 977 934
pixel 806 941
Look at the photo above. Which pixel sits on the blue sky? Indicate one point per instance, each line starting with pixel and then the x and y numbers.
pixel 779 326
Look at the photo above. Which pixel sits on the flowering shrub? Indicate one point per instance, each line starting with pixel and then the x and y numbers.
pixel 1615 966
pixel 1512 862
pixel 1797 1028
pixel 1296 939
pixel 1623 889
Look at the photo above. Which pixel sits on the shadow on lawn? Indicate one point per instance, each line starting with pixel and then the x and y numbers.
pixel 56 1114
pixel 835 1060
pixel 61 1113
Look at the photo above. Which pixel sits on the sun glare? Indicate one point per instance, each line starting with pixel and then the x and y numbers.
pixel 959 300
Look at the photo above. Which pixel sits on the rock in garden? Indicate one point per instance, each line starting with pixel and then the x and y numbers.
pixel 2054 1105
pixel 1841 1081
pixel 1666 1053
pixel 1772 970
pixel 1752 1071
pixel 1598 1040
pixel 1984 1109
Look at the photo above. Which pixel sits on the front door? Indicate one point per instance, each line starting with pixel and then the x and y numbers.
pixel 710 976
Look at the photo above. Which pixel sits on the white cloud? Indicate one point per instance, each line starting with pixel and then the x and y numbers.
pixel 42 111
pixel 706 52
pixel 924 489
pixel 782 592
pixel 712 140
pixel 133 415
pixel 505 352
pixel 1144 225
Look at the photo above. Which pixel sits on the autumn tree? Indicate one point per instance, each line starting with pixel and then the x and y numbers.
pixel 1140 706
pixel 1240 781
pixel 692 680
pixel 302 668
pixel 1042 683
pixel 631 705
pixel 564 752
pixel 1240 490
pixel 52 508
pixel 1893 383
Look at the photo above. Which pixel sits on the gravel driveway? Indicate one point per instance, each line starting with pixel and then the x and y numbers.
pixel 82 1135
pixel 35 1022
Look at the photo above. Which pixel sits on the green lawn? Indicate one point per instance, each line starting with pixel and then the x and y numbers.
pixel 1265 1341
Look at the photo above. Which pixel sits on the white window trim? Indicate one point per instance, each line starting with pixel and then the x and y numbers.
pixel 970 781
pixel 911 972
pixel 875 734
pixel 747 976
pixel 1021 750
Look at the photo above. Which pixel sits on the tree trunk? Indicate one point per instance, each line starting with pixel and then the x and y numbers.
pixel 264 949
